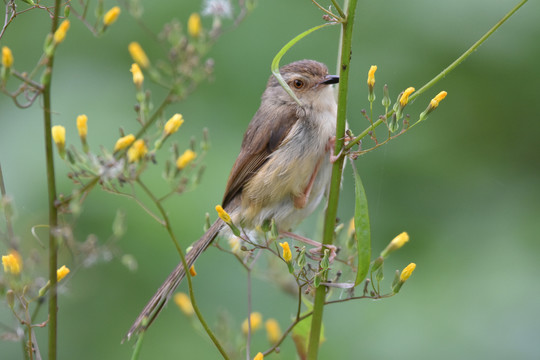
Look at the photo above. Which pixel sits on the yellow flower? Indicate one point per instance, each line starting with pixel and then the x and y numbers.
pixel 223 215
pixel 194 25
pixel 138 54
pixel 81 126
pixel 184 159
pixel 259 356
pixel 111 16
pixel 60 33
pixel 395 244
pixel 59 135
pixel 7 57
pixel 404 100
pixel 124 142
pixel 273 331
pixel 256 322
pixel 173 124
pixel 138 76
pixel 192 271
pixel 12 262
pixel 407 272
pixel 287 255
pixel 371 76
pixel 61 273
pixel 435 101
pixel 137 151
pixel 184 303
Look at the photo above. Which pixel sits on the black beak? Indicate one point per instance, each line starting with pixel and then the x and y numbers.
pixel 330 79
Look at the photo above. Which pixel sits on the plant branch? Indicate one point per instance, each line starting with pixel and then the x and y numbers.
pixel 184 263
pixel 443 73
pixel 51 190
pixel 337 170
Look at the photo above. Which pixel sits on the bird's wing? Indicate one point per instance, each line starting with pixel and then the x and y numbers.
pixel 263 136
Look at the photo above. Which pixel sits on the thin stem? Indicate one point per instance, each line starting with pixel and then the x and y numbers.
pixel 51 189
pixel 329 13
pixel 184 263
pixel 445 72
pixel 338 8
pixel 337 170
pixel 9 225
pixel 138 345
pixel 248 347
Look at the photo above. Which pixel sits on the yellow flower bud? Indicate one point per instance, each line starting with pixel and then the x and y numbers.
pixel 371 76
pixel 407 272
pixel 273 331
pixel 223 215
pixel 395 244
pixel 59 135
pixel 173 124
pixel 61 273
pixel 124 142
pixel 256 322
pixel 184 303
pixel 404 100
pixel 287 255
pixel 138 54
pixel 435 101
pixel 7 57
pixel 138 76
pixel 60 33
pixel 82 127
pixel 111 16
pixel 137 151
pixel 12 262
pixel 259 356
pixel 184 159
pixel 194 25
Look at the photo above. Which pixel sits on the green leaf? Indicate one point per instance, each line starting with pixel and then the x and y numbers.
pixel 277 58
pixel 300 335
pixel 362 229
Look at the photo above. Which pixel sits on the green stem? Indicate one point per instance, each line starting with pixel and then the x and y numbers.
pixel 9 225
pixel 138 345
pixel 443 73
pixel 51 189
pixel 184 263
pixel 337 170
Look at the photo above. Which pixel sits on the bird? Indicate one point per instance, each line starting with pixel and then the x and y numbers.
pixel 282 172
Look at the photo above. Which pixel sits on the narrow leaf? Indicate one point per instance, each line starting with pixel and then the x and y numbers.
pixel 277 58
pixel 362 229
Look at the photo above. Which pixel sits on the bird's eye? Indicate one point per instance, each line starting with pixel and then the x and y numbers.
pixel 298 83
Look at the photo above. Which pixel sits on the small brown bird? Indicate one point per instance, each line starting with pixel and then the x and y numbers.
pixel 283 169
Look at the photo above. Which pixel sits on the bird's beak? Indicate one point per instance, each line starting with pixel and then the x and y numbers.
pixel 330 79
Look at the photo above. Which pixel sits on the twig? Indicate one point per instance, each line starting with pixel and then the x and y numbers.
pixel 184 263
pixel 445 72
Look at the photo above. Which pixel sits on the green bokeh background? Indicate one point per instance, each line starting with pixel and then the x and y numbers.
pixel 465 184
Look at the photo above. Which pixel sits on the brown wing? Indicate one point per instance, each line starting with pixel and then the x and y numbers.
pixel 263 136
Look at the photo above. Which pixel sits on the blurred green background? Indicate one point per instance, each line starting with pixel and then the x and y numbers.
pixel 464 185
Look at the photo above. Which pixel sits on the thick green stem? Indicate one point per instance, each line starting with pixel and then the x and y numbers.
pixel 51 189
pixel 337 170
pixel 184 263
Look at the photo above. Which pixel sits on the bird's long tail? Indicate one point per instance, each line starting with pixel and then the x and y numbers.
pixel 162 295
